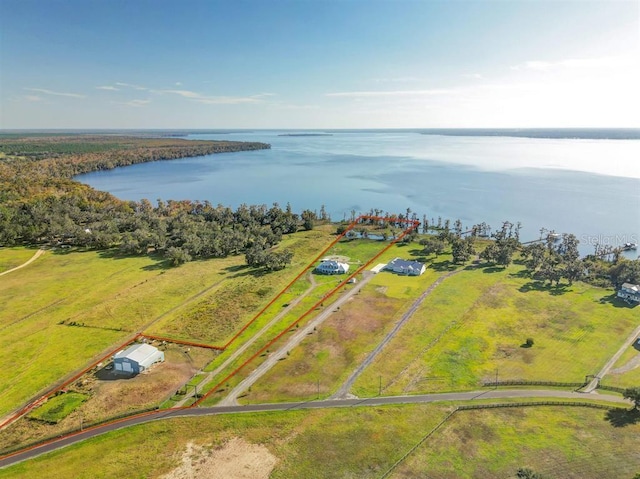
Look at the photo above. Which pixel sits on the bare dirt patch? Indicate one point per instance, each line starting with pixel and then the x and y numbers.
pixel 237 459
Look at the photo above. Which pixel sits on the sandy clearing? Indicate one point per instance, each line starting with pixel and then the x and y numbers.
pixel 237 459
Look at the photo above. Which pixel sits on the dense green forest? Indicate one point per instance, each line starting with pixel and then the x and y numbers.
pixel 41 204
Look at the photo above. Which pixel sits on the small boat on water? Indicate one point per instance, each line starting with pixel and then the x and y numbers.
pixel 629 246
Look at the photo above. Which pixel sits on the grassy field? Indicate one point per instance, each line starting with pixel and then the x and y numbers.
pixel 560 443
pixel 343 343
pixel 326 359
pixel 67 308
pixel 364 442
pixel 630 378
pixel 12 257
pixel 217 315
pixel 58 407
pixel 476 322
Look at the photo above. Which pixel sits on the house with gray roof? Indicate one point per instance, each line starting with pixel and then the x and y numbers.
pixel 330 266
pixel 405 267
pixel 629 292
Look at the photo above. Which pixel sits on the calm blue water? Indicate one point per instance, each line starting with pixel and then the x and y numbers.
pixel 587 187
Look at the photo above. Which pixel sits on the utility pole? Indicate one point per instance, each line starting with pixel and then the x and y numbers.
pixel 318 389
pixel 496 379
pixel 380 386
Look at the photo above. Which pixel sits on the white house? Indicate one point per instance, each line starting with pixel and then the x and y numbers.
pixel 136 358
pixel 403 266
pixel 330 266
pixel 630 293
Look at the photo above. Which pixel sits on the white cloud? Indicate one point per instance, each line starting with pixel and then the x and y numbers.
pixel 107 87
pixel 55 93
pixel 178 83
pixel 474 76
pixel 392 93
pixel 134 103
pixel 130 85
pixel 216 100
pixel 32 98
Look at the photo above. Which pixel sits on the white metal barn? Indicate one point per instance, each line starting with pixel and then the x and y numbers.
pixel 136 358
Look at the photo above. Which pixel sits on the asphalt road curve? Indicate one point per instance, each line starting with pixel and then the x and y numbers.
pixel 375 401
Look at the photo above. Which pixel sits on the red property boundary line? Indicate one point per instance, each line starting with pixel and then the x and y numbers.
pixel 73 378
pixel 180 341
pixel 411 225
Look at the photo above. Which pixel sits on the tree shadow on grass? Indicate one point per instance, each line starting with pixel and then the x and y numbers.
pixel 249 271
pixel 620 417
pixel 616 302
pixel 521 274
pixel 492 269
pixel 441 266
pixel 160 262
pixel 557 290
pixel 236 268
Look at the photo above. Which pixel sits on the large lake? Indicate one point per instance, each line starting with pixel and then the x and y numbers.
pixel 587 187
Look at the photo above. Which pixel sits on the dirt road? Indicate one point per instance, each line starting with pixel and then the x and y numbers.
pixel 294 340
pixel 37 254
pixel 343 391
pixel 603 372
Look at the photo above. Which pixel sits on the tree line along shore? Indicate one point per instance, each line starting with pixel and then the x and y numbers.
pixel 41 204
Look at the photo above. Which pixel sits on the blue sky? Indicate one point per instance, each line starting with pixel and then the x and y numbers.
pixel 319 64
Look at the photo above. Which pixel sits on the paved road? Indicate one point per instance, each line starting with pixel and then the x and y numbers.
pixel 603 372
pixel 249 342
pixel 329 403
pixel 294 340
pixel 37 254
pixel 343 391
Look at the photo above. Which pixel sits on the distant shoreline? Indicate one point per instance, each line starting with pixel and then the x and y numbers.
pixel 306 134
pixel 542 133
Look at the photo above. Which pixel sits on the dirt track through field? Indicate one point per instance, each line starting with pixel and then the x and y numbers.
pixel 607 367
pixel 37 254
pixel 293 341
pixel 250 341
pixel 343 391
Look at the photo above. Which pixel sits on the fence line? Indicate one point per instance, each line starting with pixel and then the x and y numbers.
pixel 518 382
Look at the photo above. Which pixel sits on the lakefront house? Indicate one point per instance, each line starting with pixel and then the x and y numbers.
pixel 629 292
